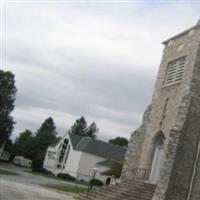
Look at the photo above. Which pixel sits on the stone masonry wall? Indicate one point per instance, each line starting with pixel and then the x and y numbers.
pixel 135 148
pixel 196 108
pixel 184 137
pixel 167 171
pixel 182 46
pixel 180 123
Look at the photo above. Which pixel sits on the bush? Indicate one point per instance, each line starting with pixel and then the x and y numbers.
pixel 82 181
pixel 38 160
pixel 96 182
pixel 67 176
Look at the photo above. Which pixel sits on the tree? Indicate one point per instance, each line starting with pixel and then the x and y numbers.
pixel 7 99
pixel 34 146
pixel 92 130
pixel 80 128
pixel 45 136
pixel 24 144
pixel 119 141
pixel 9 146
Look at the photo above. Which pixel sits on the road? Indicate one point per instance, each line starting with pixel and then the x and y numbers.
pixel 18 191
pixel 26 186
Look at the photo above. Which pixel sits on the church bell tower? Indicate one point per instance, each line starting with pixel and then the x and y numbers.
pixel 165 149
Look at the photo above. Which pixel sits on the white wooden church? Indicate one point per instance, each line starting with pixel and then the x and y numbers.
pixel 80 156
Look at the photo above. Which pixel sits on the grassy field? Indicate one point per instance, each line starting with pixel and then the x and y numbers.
pixel 6 172
pixel 66 188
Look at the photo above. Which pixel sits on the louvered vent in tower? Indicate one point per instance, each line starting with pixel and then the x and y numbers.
pixel 175 71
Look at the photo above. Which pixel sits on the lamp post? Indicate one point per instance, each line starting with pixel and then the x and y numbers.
pixel 95 170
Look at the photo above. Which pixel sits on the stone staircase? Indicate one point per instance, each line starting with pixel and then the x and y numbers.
pixel 127 190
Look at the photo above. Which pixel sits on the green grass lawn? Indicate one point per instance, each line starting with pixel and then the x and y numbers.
pixel 66 188
pixel 53 177
pixel 9 173
pixel 44 175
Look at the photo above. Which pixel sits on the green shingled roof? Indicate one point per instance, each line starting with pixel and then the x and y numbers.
pixel 97 147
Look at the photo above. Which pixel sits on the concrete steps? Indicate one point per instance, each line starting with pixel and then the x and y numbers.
pixel 128 190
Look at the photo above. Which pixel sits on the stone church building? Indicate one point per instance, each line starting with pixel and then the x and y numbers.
pixel 163 157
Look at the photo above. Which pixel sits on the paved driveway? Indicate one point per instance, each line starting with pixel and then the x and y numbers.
pixel 26 186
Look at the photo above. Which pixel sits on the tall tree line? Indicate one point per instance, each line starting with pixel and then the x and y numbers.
pixel 34 145
pixel 7 99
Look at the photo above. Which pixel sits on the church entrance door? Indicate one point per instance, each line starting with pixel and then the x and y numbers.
pixel 156 165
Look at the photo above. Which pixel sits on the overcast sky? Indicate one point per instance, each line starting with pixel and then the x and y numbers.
pixel 97 59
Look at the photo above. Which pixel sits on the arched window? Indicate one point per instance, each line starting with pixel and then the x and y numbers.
pixel 67 154
pixel 159 139
pixel 63 150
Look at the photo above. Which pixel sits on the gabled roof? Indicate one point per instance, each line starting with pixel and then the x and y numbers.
pixel 97 147
pixel 75 139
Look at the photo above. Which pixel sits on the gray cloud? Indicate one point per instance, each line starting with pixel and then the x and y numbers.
pixel 99 61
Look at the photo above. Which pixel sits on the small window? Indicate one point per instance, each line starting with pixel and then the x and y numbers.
pixel 175 71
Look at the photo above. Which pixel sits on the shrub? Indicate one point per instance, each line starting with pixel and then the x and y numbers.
pixel 66 176
pixel 96 182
